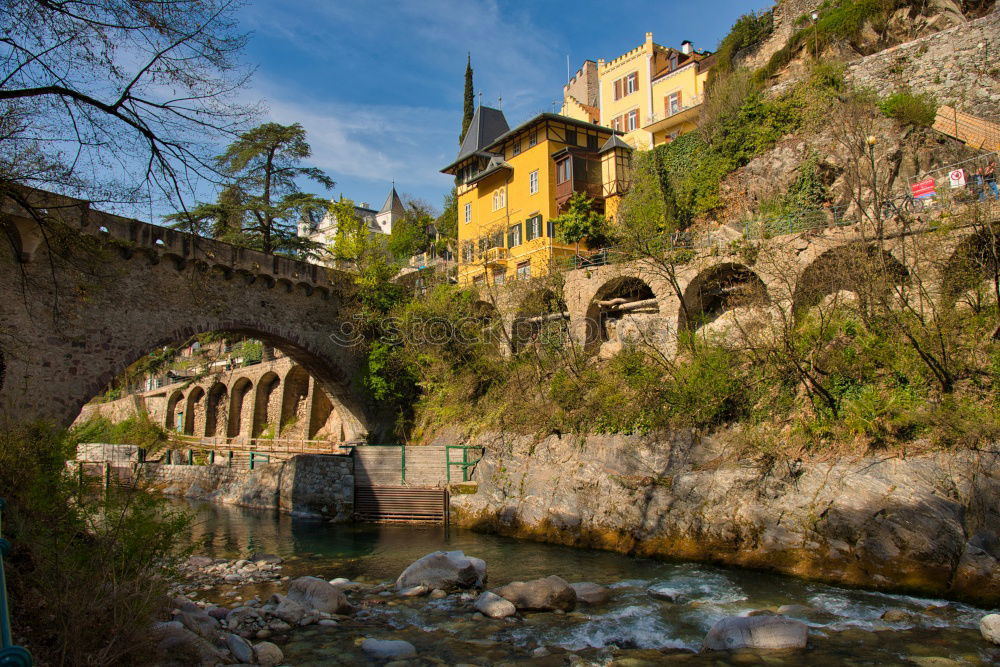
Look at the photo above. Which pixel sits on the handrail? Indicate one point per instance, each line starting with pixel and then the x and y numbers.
pixel 11 655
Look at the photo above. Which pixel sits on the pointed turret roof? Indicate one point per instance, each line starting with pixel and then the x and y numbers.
pixel 487 124
pixel 393 204
pixel 613 142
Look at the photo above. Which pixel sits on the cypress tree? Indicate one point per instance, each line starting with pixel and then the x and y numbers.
pixel 470 100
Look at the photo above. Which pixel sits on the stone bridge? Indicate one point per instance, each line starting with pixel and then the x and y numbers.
pixel 83 294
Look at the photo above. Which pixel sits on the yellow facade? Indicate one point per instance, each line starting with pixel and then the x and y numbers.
pixel 652 93
pixel 508 193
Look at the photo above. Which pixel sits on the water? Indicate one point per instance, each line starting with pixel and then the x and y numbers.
pixel 633 628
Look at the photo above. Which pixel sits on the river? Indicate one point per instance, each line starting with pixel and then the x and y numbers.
pixel 634 628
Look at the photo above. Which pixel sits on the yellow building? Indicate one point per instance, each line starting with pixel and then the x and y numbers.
pixel 652 93
pixel 512 183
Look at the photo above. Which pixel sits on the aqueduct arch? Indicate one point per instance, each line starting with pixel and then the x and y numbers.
pixel 718 289
pixel 854 267
pixel 105 291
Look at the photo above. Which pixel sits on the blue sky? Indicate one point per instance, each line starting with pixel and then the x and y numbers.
pixel 378 85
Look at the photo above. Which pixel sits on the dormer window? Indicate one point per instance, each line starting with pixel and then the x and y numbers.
pixel 673 62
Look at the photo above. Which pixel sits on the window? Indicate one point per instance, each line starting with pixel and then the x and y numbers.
pixel 496 239
pixel 571 137
pixel 517 146
pixel 674 103
pixel 618 123
pixel 563 171
pixel 631 83
pixel 524 270
pixel 514 235
pixel 468 212
pixel 617 85
pixel 673 62
pixel 533 228
pixel 467 251
pixel 533 182
pixel 551 228
pixel 499 199
pixel 632 120
pixel 592 142
pixel 498 277
pixel 532 138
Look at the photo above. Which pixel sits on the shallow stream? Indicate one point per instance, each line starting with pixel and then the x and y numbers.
pixel 634 628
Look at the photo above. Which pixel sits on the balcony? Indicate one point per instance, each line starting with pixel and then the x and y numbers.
pixel 495 256
pixel 687 112
pixel 566 189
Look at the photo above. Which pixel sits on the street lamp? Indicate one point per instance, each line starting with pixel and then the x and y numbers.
pixel 815 17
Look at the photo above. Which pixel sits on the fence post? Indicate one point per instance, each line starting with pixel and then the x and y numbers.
pixel 10 654
pixel 211 457
pixel 251 461
pixel 402 468
pixel 229 463
pixel 190 457
pixel 170 457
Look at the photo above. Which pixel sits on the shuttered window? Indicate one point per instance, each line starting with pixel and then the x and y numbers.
pixel 533 228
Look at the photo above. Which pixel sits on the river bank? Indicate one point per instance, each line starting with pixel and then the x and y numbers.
pixel 655 610
pixel 925 523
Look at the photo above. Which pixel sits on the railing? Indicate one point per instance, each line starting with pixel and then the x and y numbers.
pixel 796 221
pixel 465 463
pixel 11 655
pixel 670 113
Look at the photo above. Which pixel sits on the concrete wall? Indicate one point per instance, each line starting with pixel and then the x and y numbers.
pixel 308 484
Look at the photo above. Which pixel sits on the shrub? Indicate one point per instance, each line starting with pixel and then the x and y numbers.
pixel 137 430
pixel 909 108
pixel 748 30
pixel 87 574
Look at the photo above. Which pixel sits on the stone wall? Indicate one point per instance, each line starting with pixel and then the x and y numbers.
pixel 312 485
pixel 117 411
pixel 959 66
pixel 926 523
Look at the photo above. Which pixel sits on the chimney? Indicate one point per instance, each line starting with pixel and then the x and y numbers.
pixel 687 47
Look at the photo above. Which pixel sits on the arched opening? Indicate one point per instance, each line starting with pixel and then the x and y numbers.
pixel 718 290
pixel 861 270
pixel 293 420
pixel 971 277
pixel 174 415
pixel 216 409
pixel 541 319
pixel 239 407
pixel 194 413
pixel 623 311
pixel 267 405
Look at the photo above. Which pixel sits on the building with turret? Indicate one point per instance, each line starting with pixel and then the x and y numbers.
pixel 324 230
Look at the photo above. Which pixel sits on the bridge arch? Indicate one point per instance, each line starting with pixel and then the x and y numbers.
pixel 216 408
pixel 173 401
pixel 239 401
pixel 266 404
pixel 718 289
pixel 975 261
pixel 622 309
pixel 858 268
pixel 295 391
pixel 194 411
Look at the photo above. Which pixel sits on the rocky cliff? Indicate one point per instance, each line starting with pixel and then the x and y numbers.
pixel 926 523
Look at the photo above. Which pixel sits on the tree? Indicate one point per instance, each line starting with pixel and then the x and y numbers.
pixel 470 100
pixel 581 222
pixel 117 100
pixel 261 208
pixel 409 235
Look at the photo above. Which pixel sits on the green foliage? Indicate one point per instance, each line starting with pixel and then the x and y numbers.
pixel 580 222
pixel 86 574
pixel 263 204
pixel 409 234
pixel 918 109
pixel 137 430
pixel 748 30
pixel 251 351
pixel 469 102
pixel 447 222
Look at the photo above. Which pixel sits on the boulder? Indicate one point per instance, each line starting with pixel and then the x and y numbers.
pixel 270 559
pixel 268 654
pixel 494 606
pixel 896 616
pixel 989 626
pixel 589 593
pixel 414 591
pixel 667 594
pixel 760 632
pixel 287 610
pixel 315 593
pixel 549 594
pixel 199 622
pixel 388 649
pixel 240 648
pixel 446 570
pixel 178 645
pixel 218 613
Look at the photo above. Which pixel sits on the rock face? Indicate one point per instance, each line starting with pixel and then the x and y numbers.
pixel 494 606
pixel 549 594
pixel 916 523
pixel 388 648
pixel 446 570
pixel 316 594
pixel 762 632
pixel 589 593
pixel 268 654
pixel 990 627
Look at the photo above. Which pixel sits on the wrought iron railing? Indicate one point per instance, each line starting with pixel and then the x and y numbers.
pixel 11 655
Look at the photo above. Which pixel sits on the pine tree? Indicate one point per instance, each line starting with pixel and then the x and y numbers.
pixel 470 99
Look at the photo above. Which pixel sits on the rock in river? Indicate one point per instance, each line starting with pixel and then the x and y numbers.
pixel 495 606
pixel 315 593
pixel 268 654
pixel 240 648
pixel 549 594
pixel 388 648
pixel 735 632
pixel 589 593
pixel 446 570
pixel 989 626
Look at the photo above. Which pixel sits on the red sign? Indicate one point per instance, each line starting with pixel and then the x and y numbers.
pixel 923 189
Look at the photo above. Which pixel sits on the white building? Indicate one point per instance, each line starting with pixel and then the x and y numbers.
pixel 379 222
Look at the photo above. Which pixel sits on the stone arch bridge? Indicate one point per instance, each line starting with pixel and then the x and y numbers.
pixel 83 294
